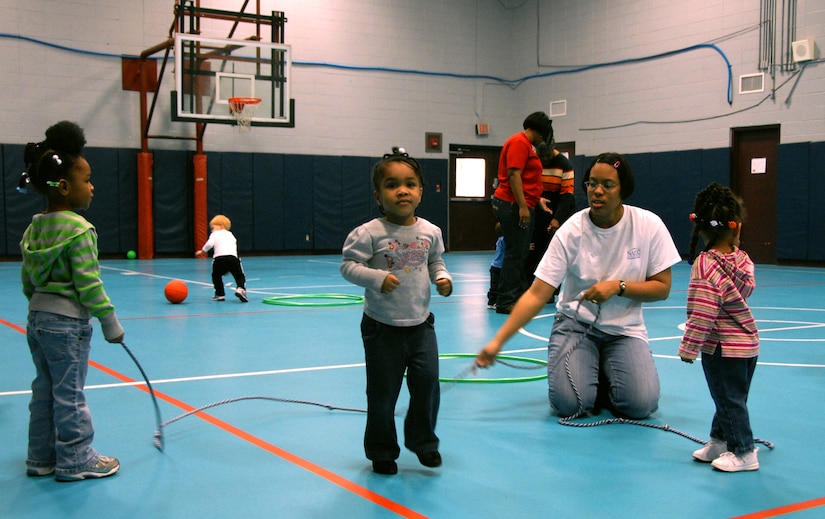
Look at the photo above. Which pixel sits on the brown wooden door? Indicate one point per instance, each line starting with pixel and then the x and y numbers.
pixel 472 224
pixel 753 177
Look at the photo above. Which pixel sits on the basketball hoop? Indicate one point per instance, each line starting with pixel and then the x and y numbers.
pixel 243 109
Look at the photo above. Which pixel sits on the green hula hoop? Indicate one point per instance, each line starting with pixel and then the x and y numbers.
pixel 506 380
pixel 329 300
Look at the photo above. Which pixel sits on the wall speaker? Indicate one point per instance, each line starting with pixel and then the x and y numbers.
pixel 803 50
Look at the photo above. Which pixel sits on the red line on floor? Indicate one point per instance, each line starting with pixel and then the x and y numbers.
pixel 13 326
pixel 254 440
pixel 286 455
pixel 782 510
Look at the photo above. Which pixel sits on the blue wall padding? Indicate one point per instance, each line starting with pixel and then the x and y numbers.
pixel 276 200
pixel 127 201
pixel 298 202
pixel 357 202
pixel 715 166
pixel 666 187
pixel 106 181
pixel 236 184
pixel 327 199
pixel 816 202
pixel 269 213
pixel 580 165
pixel 793 189
pixel 17 208
pixel 7 188
pixel 172 202
pixel 12 159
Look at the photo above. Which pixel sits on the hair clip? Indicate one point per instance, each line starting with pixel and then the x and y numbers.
pixel 57 160
pixel 53 183
pixel 716 223
pixel 617 164
pixel 713 223
pixel 396 152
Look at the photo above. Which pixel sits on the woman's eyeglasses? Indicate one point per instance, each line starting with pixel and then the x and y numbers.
pixel 607 185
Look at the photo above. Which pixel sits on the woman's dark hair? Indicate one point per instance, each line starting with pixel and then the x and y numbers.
pixel 622 167
pixel 539 122
pixel 55 157
pixel 397 155
pixel 716 211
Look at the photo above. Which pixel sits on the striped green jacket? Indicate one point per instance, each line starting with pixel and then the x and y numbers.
pixel 61 273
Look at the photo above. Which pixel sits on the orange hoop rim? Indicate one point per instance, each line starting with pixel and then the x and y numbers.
pixel 237 103
pixel 245 100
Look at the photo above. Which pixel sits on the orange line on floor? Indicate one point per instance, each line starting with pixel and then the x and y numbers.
pixel 782 510
pixel 13 326
pixel 286 455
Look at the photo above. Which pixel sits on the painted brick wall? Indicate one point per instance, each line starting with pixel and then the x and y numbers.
pixel 362 112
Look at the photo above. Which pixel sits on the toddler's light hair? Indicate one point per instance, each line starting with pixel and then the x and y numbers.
pixel 222 221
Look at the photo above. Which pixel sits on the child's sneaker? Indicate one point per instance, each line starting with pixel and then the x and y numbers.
pixel 103 467
pixel 240 293
pixel 39 471
pixel 712 450
pixel 218 298
pixel 730 462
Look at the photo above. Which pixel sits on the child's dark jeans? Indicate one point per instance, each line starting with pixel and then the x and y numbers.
pixel 389 352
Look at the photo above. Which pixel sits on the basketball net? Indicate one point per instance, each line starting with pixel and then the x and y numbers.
pixel 243 109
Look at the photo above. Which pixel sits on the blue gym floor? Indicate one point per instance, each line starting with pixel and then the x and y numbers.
pixel 504 454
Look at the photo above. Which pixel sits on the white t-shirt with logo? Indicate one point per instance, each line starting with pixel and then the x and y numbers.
pixel 582 254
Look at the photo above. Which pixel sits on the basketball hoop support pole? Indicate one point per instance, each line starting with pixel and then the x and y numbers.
pixel 146 241
pixel 199 208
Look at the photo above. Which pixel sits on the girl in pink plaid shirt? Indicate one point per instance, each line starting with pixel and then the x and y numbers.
pixel 721 326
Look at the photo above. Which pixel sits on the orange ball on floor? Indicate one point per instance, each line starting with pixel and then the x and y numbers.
pixel 176 291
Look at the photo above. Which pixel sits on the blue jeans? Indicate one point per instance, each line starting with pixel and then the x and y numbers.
pixel 578 356
pixel 513 281
pixel 60 425
pixel 729 381
pixel 389 352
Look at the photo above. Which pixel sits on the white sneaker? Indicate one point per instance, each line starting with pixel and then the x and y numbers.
pixel 730 462
pixel 712 450
pixel 240 293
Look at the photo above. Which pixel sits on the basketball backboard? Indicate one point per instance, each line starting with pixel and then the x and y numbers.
pixel 209 71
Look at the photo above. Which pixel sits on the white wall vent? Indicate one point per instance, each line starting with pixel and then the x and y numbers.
pixel 558 108
pixel 752 83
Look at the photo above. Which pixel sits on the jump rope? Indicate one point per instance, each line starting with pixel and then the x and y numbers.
pixel 157 439
pixel 451 382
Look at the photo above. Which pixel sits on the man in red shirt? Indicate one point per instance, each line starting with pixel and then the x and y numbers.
pixel 514 201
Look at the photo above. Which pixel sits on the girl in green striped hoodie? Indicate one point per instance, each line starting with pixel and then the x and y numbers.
pixel 61 280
